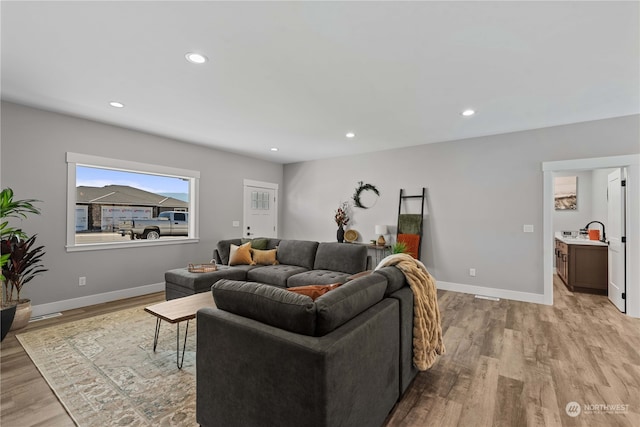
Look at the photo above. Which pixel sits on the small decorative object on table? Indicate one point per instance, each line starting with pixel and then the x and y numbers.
pixel 203 268
pixel 351 235
pixel 381 230
pixel 342 219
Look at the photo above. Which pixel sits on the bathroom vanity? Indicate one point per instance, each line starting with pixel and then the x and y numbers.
pixel 582 264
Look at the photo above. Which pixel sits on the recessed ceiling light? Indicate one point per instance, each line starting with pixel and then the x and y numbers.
pixel 116 104
pixel 274 148
pixel 468 113
pixel 350 135
pixel 196 58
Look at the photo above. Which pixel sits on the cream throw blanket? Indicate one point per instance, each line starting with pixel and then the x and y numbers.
pixel 427 329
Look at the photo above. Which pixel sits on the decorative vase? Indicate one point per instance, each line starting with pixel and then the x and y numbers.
pixel 340 234
pixel 7 319
pixel 23 315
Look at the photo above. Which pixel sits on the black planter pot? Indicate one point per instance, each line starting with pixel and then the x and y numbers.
pixel 340 234
pixel 7 319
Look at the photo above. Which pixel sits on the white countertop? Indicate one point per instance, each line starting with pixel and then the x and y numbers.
pixel 579 241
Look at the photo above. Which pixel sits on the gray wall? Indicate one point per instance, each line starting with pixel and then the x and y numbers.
pixel 481 191
pixel 592 201
pixel 574 220
pixel 34 143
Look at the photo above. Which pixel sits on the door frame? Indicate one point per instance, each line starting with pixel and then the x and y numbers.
pixel 632 222
pixel 260 184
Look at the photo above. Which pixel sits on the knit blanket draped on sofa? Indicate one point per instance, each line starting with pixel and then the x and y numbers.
pixel 427 328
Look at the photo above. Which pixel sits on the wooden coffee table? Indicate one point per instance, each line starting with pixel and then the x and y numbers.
pixel 176 311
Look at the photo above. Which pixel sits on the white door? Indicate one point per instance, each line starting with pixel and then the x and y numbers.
pixel 615 233
pixel 260 212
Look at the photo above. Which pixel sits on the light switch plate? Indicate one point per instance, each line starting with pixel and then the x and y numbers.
pixel 527 228
pixel 236 223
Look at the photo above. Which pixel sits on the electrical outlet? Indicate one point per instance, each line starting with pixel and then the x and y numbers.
pixel 82 281
pixel 527 228
pixel 235 224
pixel 472 272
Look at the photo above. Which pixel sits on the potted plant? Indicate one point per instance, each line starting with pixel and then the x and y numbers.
pixel 20 261
pixel 399 248
pixel 8 312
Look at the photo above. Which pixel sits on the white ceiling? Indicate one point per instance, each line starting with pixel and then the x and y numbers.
pixel 299 75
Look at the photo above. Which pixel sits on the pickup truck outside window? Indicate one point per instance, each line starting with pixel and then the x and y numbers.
pixel 167 224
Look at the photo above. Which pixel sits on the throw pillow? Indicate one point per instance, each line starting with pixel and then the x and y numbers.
pixel 260 243
pixel 412 241
pixel 240 255
pixel 264 257
pixel 314 291
pixel 257 243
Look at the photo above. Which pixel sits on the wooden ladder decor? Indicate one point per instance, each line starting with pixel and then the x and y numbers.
pixel 410 226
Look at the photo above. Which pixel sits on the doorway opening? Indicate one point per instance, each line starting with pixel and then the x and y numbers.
pixel 632 221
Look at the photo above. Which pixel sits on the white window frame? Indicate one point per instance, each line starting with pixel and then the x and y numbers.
pixel 77 159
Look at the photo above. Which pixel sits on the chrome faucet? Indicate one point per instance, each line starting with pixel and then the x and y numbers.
pixel 604 235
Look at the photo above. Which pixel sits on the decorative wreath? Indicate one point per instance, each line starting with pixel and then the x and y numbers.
pixel 363 187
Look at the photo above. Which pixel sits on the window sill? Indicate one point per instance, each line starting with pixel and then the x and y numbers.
pixel 132 244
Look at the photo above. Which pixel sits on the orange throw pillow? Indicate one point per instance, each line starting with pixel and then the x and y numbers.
pixel 314 291
pixel 240 255
pixel 412 241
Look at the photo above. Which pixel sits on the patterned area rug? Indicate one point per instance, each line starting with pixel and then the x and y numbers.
pixel 104 371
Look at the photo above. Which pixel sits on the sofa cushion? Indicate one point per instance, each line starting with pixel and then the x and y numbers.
pixel 395 278
pixel 267 304
pixel 317 277
pixel 267 257
pixel 346 258
pixel 199 282
pixel 346 302
pixel 297 252
pixel 223 248
pixel 274 274
pixel 314 291
pixel 257 243
pixel 240 255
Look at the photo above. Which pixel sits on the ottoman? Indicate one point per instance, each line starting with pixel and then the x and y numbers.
pixel 181 283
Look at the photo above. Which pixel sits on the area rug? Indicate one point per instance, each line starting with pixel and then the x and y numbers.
pixel 104 370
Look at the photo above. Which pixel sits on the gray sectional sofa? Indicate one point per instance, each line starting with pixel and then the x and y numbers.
pixel 300 263
pixel 268 356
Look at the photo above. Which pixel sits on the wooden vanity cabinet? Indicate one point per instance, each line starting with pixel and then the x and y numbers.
pixel 562 260
pixel 582 268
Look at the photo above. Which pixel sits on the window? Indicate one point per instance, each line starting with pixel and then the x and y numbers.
pixel 116 203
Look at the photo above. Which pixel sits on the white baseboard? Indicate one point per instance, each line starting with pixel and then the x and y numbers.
pixel 492 292
pixel 70 304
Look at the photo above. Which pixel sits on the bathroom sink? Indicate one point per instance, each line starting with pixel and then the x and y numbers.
pixel 581 241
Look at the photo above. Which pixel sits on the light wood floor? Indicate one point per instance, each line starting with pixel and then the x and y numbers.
pixel 507 364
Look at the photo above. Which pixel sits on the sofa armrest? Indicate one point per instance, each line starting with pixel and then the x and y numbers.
pixel 408 371
pixel 249 372
pixel 216 257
